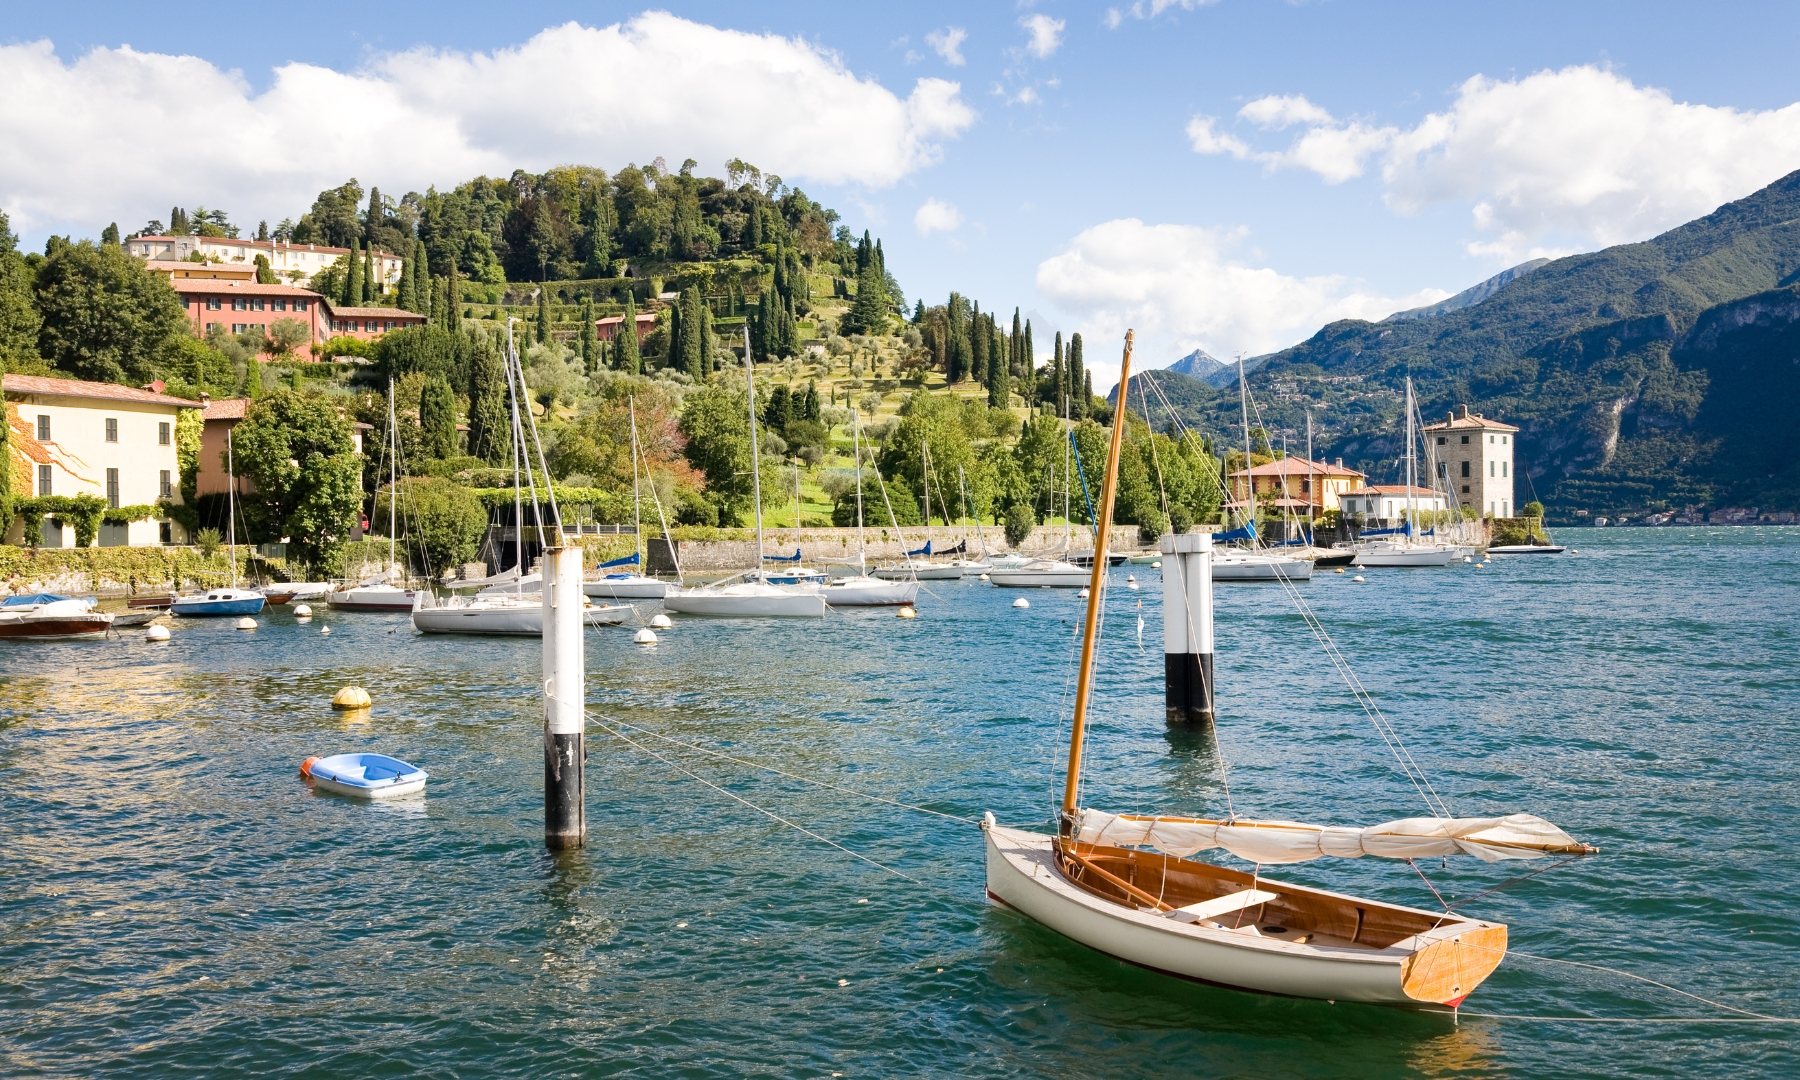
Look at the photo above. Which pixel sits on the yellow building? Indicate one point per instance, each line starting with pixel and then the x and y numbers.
pixel 1295 484
pixel 69 437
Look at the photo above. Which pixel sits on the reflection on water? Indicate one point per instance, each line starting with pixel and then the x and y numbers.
pixel 174 898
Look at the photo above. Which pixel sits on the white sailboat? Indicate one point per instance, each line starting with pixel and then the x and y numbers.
pixel 229 600
pixel 1124 883
pixel 1255 563
pixel 1401 547
pixel 1048 571
pixel 515 608
pixel 749 599
pixel 863 590
pixel 378 592
pixel 629 584
pixel 967 565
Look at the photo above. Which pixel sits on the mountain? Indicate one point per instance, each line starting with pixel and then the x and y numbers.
pixel 1198 364
pixel 1470 296
pixel 1641 375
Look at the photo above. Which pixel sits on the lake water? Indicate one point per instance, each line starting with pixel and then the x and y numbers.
pixel 174 900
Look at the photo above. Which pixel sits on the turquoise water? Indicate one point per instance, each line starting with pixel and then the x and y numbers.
pixel 173 900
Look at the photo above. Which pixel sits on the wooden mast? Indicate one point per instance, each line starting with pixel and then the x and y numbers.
pixel 1085 678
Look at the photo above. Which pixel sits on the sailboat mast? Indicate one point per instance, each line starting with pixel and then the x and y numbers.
pixel 637 527
pixel 393 473
pixel 862 550
pixel 962 480
pixel 1249 479
pixel 755 467
pixel 1412 512
pixel 231 502
pixel 1085 680
pixel 1312 487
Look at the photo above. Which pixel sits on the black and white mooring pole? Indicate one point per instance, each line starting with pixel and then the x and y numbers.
pixel 1187 626
pixel 565 694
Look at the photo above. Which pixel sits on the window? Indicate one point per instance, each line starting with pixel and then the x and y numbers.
pixel 278 305
pixel 44 480
pixel 164 488
pixel 1465 441
pixel 1503 468
pixel 43 428
pixel 162 433
pixel 299 305
pixel 166 532
pixel 209 326
pixel 239 327
pixel 1465 470
pixel 1442 440
pixel 112 488
pixel 1490 440
pixel 212 303
pixel 1490 468
pixel 1443 469
pixel 238 303
pixel 112 429
pixel 1502 440
pixel 1465 489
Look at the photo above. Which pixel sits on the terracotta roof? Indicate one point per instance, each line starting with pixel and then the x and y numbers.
pixel 1469 421
pixel 236 270
pixel 1296 466
pixel 373 312
pixel 1394 489
pixel 207 285
pixel 266 245
pixel 225 409
pixel 38 384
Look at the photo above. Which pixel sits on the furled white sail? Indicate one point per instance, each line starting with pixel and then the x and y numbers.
pixel 1490 839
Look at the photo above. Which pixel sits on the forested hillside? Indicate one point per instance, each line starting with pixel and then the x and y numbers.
pixel 1632 371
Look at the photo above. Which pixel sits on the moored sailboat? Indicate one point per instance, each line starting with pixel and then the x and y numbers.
pixel 862 589
pixel 1095 882
pixel 378 591
pixel 229 599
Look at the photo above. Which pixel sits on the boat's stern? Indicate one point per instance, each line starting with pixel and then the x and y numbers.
pixel 1446 970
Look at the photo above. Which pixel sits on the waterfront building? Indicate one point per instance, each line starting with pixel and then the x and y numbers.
pixel 296 263
pixel 69 438
pixel 1389 502
pixel 1307 487
pixel 1475 457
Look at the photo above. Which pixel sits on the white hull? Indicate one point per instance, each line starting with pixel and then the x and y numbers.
pixel 372 598
pixel 1409 555
pixel 625 587
pixel 1042 574
pixel 1229 566
pixel 870 592
pixel 392 791
pixel 919 571
pixel 1022 874
pixel 488 617
pixel 1526 549
pixel 748 601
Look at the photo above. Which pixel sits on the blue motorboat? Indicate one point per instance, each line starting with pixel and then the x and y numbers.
pixel 225 601
pixel 364 776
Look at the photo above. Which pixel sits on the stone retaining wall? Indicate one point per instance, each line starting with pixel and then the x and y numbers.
pixel 827 547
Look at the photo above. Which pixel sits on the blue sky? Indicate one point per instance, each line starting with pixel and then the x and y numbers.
pixel 1225 175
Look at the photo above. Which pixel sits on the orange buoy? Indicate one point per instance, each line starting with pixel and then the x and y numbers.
pixel 306 767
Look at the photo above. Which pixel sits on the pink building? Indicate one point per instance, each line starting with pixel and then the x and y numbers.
pixel 368 323
pixel 239 307
pixel 606 329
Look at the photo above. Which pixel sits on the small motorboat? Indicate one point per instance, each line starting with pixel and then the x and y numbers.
pixel 372 597
pixel 160 603
pixel 225 601
pixel 1526 549
pixel 58 619
pixel 287 592
pixel 1041 573
pixel 1085 560
pixel 364 776
pixel 142 617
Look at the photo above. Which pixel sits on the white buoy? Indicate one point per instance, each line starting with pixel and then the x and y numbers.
pixel 661 622
pixel 302 611
pixel 1083 594
pixel 246 623
pixel 1156 565
pixel 351 697
pixel 1021 602
pixel 906 612
pixel 644 636
pixel 324 629
pixel 1358 577
pixel 157 633
pixel 1340 569
pixel 984 577
pixel 1467 559
pixel 1131 583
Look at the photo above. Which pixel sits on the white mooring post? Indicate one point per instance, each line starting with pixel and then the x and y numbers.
pixel 1187 626
pixel 565 696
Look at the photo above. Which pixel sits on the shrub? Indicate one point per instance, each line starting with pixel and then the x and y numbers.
pixel 208 541
pixel 1019 523
pixel 1180 519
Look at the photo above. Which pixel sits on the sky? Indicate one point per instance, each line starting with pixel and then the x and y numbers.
pixel 1228 175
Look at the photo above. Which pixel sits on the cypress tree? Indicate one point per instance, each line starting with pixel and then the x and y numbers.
pixel 688 354
pixel 810 410
pixel 406 300
pixel 1029 364
pixel 999 382
pixel 626 355
pixel 1058 384
pixel 865 253
pixel 543 315
pixel 489 421
pixel 453 300
pixel 371 287
pixel 1087 392
pixel 978 346
pixel 1080 384
pixel 779 412
pixel 589 344
pixel 708 341
pixel 437 417
pixel 352 294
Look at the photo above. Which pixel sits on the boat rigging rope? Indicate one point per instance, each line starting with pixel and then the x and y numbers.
pixel 768 813
pixel 792 776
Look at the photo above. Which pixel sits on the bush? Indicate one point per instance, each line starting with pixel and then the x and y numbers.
pixel 208 541
pixel 1019 523
pixel 442 519
pixel 1152 527
pixel 1534 509
pixel 1180 519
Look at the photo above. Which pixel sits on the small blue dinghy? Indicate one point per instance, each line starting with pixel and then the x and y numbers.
pixel 364 776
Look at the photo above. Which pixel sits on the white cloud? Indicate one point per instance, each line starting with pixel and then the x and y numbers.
pixel 1046 34
pixel 1578 154
pixel 1180 287
pixel 937 216
pixel 121 134
pixel 947 43
pixel 1276 111
pixel 1151 9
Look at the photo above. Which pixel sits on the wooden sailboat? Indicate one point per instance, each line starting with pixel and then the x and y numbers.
pixel 1096 882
